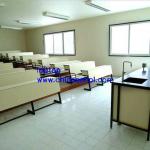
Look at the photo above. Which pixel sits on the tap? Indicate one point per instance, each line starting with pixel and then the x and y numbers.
pixel 123 72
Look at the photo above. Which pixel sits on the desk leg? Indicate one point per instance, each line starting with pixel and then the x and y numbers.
pixel 58 101
pixel 111 77
pixel 33 110
pixel 112 104
pixel 148 132
pixel 118 105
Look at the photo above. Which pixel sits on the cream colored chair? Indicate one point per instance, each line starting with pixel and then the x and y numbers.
pixel 76 67
pixel 97 74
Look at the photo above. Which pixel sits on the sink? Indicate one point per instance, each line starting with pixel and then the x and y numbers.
pixel 135 80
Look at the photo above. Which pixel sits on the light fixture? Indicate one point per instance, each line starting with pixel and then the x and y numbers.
pixel 22 22
pixel 27 22
pixel 54 15
pixel 9 27
pixel 90 3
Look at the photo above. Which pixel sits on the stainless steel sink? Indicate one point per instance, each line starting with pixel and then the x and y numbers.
pixel 135 80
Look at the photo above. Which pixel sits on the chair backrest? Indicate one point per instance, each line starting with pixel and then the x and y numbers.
pixel 40 62
pixel 21 58
pixel 30 61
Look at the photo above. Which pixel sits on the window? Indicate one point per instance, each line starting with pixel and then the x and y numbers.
pixel 120 45
pixel 131 39
pixel 58 44
pixel 48 39
pixel 140 38
pixel 69 43
pixel 61 43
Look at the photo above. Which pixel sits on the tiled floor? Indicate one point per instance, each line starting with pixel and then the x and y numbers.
pixel 80 123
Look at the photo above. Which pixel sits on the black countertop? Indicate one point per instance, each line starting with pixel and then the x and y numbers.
pixel 136 74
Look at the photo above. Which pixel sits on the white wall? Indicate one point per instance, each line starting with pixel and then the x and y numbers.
pixel 92 38
pixel 12 40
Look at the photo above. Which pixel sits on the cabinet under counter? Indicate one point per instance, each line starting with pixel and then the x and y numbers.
pixel 130 102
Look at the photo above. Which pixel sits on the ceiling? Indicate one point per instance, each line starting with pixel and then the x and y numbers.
pixel 30 11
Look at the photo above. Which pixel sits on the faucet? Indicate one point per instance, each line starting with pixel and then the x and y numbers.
pixel 123 72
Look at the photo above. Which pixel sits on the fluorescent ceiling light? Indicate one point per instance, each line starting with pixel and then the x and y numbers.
pixel 92 4
pixel 54 15
pixel 22 22
pixel 27 22
pixel 121 5
pixel 8 27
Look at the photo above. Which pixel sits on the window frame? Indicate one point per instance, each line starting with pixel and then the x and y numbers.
pixel 128 55
pixel 62 42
